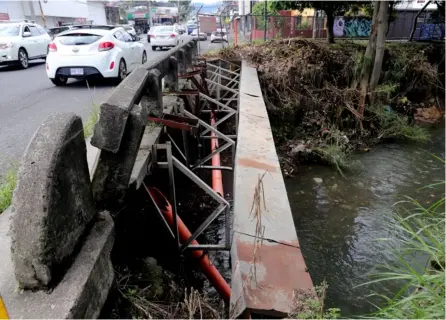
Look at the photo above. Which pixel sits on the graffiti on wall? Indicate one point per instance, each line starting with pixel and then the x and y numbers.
pixel 432 31
pixel 352 27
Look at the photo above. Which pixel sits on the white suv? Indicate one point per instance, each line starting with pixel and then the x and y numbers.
pixel 21 42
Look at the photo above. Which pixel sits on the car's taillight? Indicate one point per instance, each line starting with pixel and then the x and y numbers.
pixel 105 46
pixel 52 47
pixel 172 35
pixel 152 36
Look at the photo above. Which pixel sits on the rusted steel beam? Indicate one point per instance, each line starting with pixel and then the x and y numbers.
pixel 194 72
pixel 177 122
pixel 184 92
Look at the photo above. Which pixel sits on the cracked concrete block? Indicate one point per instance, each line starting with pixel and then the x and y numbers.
pixel 171 78
pixel 152 99
pixel 113 113
pixel 52 203
pixel 111 178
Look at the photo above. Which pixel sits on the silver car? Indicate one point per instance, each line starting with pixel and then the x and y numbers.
pixel 201 36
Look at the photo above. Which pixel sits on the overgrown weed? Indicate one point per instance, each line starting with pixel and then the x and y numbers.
pixel 93 117
pixel 395 125
pixel 311 304
pixel 149 292
pixel 7 186
pixel 420 236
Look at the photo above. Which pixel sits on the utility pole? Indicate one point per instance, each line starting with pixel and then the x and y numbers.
pixel 314 23
pixel 150 14
pixel 42 14
pixel 265 17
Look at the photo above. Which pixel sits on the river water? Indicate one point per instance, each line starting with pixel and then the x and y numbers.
pixel 339 220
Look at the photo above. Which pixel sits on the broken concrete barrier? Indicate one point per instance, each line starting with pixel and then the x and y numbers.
pixel 53 202
pixel 51 238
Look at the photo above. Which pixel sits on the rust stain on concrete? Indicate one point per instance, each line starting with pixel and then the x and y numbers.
pixel 245 162
pixel 280 269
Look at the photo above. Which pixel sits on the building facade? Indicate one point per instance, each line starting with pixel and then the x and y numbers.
pixel 54 13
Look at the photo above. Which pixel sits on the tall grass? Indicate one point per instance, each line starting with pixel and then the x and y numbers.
pixel 395 125
pixel 93 116
pixel 421 236
pixel 7 186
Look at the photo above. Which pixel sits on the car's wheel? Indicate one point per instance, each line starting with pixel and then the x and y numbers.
pixel 154 48
pixel 23 59
pixel 122 71
pixel 144 57
pixel 60 80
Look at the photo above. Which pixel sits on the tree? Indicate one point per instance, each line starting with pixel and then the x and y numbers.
pixel 184 9
pixel 331 9
pixel 373 58
pixel 258 12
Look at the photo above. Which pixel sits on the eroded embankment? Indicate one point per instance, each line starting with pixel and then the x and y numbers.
pixel 310 91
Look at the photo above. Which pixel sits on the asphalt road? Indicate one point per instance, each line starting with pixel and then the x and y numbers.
pixel 28 98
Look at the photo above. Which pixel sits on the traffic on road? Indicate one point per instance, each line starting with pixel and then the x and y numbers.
pixel 79 67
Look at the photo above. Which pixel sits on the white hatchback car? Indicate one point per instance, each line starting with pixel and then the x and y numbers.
pixel 219 35
pixel 21 42
pixel 93 51
pixel 164 36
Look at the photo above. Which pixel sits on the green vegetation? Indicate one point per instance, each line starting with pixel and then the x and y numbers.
pixel 421 234
pixel 395 125
pixel 310 305
pixel 93 116
pixel 7 186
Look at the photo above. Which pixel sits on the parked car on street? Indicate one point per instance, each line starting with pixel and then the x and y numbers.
pixel 219 35
pixel 164 36
pixel 201 36
pixel 130 29
pixel 151 31
pixel 21 42
pixel 93 51
pixel 57 30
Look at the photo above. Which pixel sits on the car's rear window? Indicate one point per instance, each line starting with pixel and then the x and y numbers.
pixel 59 30
pixel 164 29
pixel 77 39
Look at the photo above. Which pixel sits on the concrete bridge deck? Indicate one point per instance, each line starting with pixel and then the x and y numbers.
pixel 267 263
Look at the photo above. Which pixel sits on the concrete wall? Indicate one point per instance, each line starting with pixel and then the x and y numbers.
pixel 60 8
pixel 96 12
pixel 13 9
pixel 55 11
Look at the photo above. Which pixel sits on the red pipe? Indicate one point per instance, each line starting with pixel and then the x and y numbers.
pixel 208 268
pixel 217 181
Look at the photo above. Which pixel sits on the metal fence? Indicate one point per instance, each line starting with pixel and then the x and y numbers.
pixel 258 28
pixel 249 28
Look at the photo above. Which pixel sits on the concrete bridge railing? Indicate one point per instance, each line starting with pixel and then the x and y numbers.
pixel 55 239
